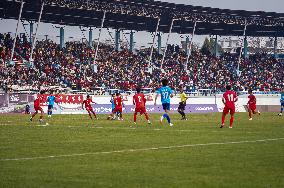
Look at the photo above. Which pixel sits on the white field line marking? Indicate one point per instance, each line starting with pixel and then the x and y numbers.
pixel 43 125
pixel 142 149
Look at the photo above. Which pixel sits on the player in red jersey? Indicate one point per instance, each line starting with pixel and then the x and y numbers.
pixel 118 106
pixel 89 107
pixel 139 101
pixel 229 99
pixel 251 104
pixel 37 107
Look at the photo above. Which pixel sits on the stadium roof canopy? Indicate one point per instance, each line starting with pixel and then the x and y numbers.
pixel 142 15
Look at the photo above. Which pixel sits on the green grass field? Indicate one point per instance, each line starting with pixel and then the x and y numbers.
pixel 73 151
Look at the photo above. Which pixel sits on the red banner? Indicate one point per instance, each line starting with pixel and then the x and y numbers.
pixel 62 98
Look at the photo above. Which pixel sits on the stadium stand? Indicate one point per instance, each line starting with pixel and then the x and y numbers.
pixel 70 67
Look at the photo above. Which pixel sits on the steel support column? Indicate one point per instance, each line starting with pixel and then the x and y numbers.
pixel 245 47
pixel 90 38
pixel 186 45
pixel 131 45
pixel 117 39
pixel 61 37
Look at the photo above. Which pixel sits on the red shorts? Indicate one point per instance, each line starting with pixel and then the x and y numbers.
pixel 89 108
pixel 230 109
pixel 38 109
pixel 118 109
pixel 141 110
pixel 252 107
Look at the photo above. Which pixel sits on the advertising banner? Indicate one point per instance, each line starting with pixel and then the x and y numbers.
pixel 106 109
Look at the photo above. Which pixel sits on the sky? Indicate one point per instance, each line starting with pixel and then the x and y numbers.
pixel 144 38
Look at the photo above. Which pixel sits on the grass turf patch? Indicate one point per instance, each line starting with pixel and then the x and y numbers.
pixel 251 164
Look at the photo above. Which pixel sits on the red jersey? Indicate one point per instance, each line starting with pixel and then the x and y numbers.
pixel 118 101
pixel 252 99
pixel 87 103
pixel 230 97
pixel 37 103
pixel 139 100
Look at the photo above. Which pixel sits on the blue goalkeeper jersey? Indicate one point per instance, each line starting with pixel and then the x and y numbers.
pixel 165 94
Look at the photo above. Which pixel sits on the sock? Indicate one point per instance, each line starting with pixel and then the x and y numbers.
pixel 50 112
pixel 135 117
pixel 249 114
pixel 168 117
pixel 146 116
pixel 223 119
pixel 94 114
pixel 180 112
pixel 281 110
pixel 231 121
pixel 90 115
pixel 40 117
pixel 183 115
pixel 34 115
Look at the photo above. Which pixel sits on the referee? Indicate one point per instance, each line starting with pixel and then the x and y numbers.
pixel 182 104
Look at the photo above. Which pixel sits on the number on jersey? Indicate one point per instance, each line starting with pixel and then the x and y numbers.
pixel 231 98
pixel 165 95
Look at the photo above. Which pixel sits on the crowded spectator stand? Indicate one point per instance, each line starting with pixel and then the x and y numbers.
pixel 71 65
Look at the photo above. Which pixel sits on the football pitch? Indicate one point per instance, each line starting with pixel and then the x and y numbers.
pixel 74 151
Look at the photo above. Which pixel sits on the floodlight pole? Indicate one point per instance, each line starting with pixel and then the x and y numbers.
pixel 98 43
pixel 190 45
pixel 154 38
pixel 15 39
pixel 170 32
pixel 241 50
pixel 38 23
